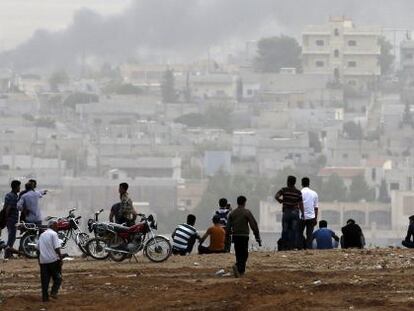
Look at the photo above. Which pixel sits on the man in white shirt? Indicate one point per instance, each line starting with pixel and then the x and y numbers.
pixel 50 261
pixel 310 211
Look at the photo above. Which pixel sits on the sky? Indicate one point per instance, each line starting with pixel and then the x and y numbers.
pixel 20 18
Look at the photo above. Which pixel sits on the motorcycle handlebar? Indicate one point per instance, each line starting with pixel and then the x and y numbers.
pixel 79 217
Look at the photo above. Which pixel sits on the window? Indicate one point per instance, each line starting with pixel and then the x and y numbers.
pixel 352 43
pixel 249 92
pixel 336 53
pixel 374 174
pixel 345 156
pixel 352 82
pixel 409 56
pixel 336 32
pixel 352 64
pixel 319 63
pixel 336 73
pixel 320 42
pixel 394 186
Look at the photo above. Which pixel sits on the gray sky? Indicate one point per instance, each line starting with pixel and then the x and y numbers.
pixel 19 18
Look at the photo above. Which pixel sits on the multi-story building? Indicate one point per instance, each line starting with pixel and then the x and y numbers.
pixel 347 52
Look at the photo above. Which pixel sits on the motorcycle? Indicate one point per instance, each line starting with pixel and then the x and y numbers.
pixel 119 242
pixel 68 228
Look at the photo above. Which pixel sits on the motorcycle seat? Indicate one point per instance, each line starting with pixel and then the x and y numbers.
pixel 120 228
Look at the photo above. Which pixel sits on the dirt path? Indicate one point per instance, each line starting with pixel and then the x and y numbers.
pixel 380 279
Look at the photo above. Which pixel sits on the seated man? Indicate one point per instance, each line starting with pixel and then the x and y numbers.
pixel 184 237
pixel 123 211
pixel 324 236
pixel 408 242
pixel 352 236
pixel 217 238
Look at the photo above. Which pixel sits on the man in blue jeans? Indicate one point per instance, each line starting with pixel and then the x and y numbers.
pixel 292 203
pixel 12 217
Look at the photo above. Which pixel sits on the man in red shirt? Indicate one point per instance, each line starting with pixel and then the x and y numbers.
pixel 217 237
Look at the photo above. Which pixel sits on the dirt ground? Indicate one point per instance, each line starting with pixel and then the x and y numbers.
pixel 377 279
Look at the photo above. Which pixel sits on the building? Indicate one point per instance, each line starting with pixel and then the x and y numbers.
pixel 347 52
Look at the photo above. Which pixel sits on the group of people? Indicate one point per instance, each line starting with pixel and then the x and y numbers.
pixel 300 216
pixel 26 203
pixel 228 226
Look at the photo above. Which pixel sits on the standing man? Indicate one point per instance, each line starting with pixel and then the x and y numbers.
pixel 50 261
pixel 310 206
pixel 11 216
pixel 29 202
pixel 124 211
pixel 291 199
pixel 238 226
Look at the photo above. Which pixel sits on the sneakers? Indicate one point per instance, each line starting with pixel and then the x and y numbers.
pixel 236 271
pixel 54 296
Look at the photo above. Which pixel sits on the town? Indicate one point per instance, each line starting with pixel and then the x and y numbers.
pixel 334 105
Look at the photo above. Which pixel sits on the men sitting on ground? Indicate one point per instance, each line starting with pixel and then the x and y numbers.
pixel 325 238
pixel 184 237
pixel 217 238
pixel 123 212
pixel 352 236
pixel 408 242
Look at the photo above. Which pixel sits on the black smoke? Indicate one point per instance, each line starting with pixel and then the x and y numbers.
pixel 188 27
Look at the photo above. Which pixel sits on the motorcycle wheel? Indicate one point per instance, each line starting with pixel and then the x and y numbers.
pixel 28 244
pixel 95 247
pixel 158 249
pixel 81 240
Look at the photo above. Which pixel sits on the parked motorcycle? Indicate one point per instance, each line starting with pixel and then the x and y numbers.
pixel 119 242
pixel 68 228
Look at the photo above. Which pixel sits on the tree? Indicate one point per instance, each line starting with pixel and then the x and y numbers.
pixel 359 190
pixel 230 187
pixel 80 98
pixel 122 89
pixel 386 59
pixel 277 52
pixel 168 92
pixel 383 195
pixel 58 77
pixel 314 142
pixel 333 189
pixel 353 131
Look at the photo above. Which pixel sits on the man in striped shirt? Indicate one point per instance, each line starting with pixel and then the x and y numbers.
pixel 291 199
pixel 184 237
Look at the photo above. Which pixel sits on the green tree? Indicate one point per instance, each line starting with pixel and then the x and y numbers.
pixel 230 187
pixel 314 142
pixel 386 59
pixel 359 190
pixel 58 77
pixel 80 98
pixel 277 52
pixel 168 91
pixel 383 195
pixel 333 189
pixel 353 131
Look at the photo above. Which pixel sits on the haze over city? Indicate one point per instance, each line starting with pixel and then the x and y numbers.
pixel 193 101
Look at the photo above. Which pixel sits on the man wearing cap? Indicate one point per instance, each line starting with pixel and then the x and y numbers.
pixel 409 239
pixel 50 261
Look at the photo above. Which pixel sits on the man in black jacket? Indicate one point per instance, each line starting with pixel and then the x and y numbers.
pixel 409 239
pixel 352 236
pixel 238 226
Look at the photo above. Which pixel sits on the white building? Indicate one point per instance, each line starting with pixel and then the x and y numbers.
pixel 347 52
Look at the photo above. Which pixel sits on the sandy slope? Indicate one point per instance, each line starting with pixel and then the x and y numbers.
pixel 380 279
